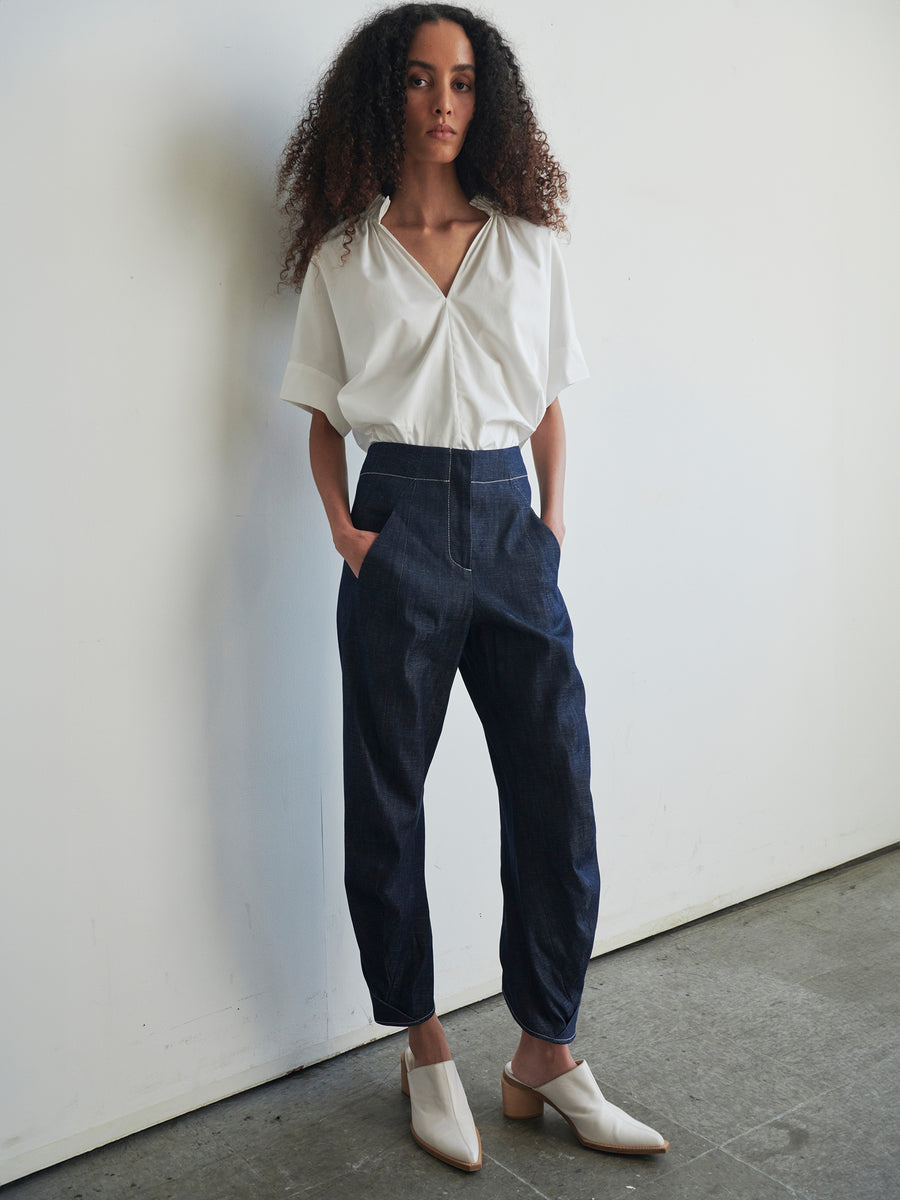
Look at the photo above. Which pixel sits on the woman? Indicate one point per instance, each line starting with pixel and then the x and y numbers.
pixel 434 323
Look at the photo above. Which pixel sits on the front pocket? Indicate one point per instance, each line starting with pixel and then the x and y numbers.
pixel 548 532
pixel 380 543
pixel 382 506
pixel 522 489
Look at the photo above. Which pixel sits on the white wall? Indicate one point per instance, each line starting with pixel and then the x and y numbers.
pixel 174 925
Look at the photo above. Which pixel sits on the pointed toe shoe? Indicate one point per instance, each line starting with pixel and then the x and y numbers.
pixel 442 1121
pixel 576 1096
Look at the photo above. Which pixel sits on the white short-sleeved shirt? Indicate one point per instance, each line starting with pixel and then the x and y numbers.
pixel 382 352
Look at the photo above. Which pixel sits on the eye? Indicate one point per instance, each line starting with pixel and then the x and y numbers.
pixel 462 85
pixel 416 81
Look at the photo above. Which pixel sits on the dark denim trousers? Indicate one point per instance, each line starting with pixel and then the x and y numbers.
pixel 463 575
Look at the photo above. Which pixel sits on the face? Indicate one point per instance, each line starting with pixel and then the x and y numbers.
pixel 440 92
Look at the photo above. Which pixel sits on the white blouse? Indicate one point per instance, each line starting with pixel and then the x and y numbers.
pixel 382 352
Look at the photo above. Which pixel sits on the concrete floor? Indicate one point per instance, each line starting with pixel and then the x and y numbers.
pixel 764 1042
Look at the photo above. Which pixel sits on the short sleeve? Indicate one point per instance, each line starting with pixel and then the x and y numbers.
pixel 316 372
pixel 566 363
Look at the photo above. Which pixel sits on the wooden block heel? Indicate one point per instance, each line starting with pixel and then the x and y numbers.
pixel 519 1100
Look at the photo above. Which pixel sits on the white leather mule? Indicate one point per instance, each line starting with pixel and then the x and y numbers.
pixel 442 1121
pixel 576 1096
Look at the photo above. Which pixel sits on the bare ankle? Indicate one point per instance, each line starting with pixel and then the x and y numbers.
pixel 429 1043
pixel 536 1061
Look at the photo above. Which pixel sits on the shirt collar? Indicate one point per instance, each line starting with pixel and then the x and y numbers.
pixel 381 204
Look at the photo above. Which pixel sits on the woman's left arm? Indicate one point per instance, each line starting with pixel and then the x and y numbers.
pixel 548 448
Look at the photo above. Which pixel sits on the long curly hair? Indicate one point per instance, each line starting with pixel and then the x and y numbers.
pixel 348 147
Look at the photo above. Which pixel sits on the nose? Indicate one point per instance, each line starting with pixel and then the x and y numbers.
pixel 443 103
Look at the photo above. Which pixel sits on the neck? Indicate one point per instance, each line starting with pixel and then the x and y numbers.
pixel 428 194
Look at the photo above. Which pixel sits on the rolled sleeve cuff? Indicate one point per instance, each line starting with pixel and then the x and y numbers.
pixel 311 389
pixel 569 368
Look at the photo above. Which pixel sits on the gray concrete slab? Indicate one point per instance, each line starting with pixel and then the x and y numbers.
pixel 843 1143
pixel 764 1042
pixel 713 1176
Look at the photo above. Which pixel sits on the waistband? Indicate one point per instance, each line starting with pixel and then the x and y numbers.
pixel 441 463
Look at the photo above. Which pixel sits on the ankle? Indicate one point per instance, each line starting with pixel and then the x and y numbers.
pixel 429 1043
pixel 536 1062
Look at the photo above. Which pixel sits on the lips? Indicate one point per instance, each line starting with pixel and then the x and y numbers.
pixel 442 131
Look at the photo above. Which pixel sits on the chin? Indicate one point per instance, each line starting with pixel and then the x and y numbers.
pixel 439 154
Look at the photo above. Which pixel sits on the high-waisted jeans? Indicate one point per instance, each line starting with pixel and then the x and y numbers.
pixel 463 575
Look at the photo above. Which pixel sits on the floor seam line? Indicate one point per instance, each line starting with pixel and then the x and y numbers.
pixel 505 1168
pixel 765 1174
pixel 779 1117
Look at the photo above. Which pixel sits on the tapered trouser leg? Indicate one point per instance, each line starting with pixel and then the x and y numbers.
pixel 400 634
pixel 519 668
pixel 463 575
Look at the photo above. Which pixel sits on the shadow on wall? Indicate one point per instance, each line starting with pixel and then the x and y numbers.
pixel 266 578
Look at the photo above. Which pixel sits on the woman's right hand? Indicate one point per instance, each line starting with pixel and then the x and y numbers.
pixel 353 545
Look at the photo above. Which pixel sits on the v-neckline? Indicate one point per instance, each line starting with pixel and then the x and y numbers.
pixel 382 209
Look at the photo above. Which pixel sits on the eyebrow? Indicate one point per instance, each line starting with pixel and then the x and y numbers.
pixel 417 62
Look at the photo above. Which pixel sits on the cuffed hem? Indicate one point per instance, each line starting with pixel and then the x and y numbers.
pixel 566 1039
pixel 575 372
pixel 386 1014
pixel 310 389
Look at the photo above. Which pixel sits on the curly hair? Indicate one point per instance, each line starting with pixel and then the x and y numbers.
pixel 348 147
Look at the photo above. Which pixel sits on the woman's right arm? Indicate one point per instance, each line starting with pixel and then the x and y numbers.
pixel 329 467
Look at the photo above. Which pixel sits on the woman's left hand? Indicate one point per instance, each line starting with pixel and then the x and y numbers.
pixel 556 527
